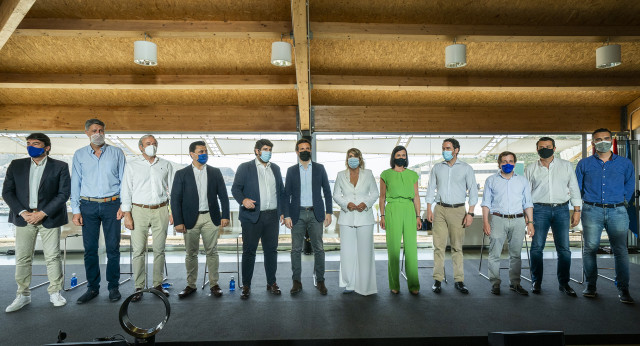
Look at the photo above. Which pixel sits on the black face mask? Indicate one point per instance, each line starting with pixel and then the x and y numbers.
pixel 545 153
pixel 305 156
pixel 400 162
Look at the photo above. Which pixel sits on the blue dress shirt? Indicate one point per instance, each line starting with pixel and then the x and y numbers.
pixel 608 182
pixel 96 177
pixel 507 196
pixel 306 194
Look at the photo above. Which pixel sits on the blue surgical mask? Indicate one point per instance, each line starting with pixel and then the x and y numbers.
pixel 507 168
pixel 35 152
pixel 203 158
pixel 353 162
pixel 265 156
pixel 447 154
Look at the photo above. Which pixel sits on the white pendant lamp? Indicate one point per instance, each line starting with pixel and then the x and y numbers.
pixel 608 56
pixel 145 53
pixel 455 55
pixel 281 54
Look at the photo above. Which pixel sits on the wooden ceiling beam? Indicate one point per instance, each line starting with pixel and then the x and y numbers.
pixel 12 12
pixel 300 22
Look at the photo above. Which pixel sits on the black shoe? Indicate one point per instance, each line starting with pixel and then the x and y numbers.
pixel 589 292
pixel 461 287
pixel 437 286
pixel 566 289
pixel 518 289
pixel 246 292
pixel 625 297
pixel 87 296
pixel 537 287
pixel 137 296
pixel 495 289
pixel 114 294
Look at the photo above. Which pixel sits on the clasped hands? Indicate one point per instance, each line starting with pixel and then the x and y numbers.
pixel 33 218
pixel 360 207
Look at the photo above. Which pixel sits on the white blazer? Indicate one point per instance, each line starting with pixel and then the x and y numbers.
pixel 366 190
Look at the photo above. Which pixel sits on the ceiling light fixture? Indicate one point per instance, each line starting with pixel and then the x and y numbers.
pixel 145 53
pixel 455 55
pixel 281 53
pixel 608 56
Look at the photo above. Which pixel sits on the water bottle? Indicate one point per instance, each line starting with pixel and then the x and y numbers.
pixel 166 285
pixel 232 284
pixel 74 280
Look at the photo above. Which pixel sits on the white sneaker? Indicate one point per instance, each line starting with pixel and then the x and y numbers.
pixel 18 303
pixel 57 299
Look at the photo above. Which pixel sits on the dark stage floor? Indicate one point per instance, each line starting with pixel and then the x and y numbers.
pixel 309 315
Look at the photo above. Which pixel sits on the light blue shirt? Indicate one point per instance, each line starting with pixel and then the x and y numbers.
pixel 96 177
pixel 306 194
pixel 452 184
pixel 507 196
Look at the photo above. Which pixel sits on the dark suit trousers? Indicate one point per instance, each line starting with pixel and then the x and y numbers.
pixel 267 228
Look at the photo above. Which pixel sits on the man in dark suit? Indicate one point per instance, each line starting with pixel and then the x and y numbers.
pixel 306 212
pixel 259 190
pixel 196 212
pixel 37 189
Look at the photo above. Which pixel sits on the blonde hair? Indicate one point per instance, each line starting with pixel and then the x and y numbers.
pixel 357 153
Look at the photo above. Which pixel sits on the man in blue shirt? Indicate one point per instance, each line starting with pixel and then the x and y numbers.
pixel 607 183
pixel 97 172
pixel 507 198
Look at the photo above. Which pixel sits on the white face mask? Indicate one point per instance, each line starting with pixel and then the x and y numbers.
pixel 151 150
pixel 97 139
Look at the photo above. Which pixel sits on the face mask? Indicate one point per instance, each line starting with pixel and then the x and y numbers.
pixel 603 147
pixel 545 153
pixel 507 168
pixel 305 156
pixel 203 158
pixel 400 162
pixel 151 150
pixel 353 162
pixel 265 156
pixel 448 155
pixel 35 152
pixel 97 139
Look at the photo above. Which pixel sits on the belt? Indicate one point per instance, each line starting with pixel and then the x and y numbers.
pixel 553 205
pixel 101 200
pixel 512 216
pixel 306 208
pixel 605 205
pixel 155 206
pixel 33 210
pixel 451 205
pixel 203 212
pixel 269 211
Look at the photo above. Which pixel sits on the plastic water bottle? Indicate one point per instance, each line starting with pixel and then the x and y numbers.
pixel 232 284
pixel 166 285
pixel 74 280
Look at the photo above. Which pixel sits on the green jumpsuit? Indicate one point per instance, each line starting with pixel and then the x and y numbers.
pixel 400 220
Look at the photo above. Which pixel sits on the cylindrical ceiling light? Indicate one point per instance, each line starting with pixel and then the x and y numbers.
pixel 608 56
pixel 281 54
pixel 455 55
pixel 145 53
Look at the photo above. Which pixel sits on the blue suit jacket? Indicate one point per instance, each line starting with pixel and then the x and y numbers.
pixel 319 180
pixel 185 201
pixel 53 191
pixel 246 185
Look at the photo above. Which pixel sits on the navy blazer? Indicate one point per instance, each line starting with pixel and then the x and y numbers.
pixel 246 185
pixel 185 201
pixel 53 192
pixel 319 180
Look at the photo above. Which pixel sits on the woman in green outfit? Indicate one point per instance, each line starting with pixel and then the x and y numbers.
pixel 400 217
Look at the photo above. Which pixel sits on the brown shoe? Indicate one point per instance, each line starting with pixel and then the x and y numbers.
pixel 161 289
pixel 274 289
pixel 216 291
pixel 297 287
pixel 322 288
pixel 137 296
pixel 187 291
pixel 246 290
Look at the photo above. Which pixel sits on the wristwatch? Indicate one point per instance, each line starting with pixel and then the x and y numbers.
pixel 472 214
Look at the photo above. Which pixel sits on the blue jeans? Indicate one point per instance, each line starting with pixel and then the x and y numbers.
pixel 93 214
pixel 556 218
pixel 616 223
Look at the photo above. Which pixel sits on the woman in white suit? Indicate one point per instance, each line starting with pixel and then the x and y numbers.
pixel 355 191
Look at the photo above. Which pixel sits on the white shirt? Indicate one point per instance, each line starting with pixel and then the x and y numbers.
pixel 146 183
pixel 201 184
pixel 267 184
pixel 366 190
pixel 556 184
pixel 35 176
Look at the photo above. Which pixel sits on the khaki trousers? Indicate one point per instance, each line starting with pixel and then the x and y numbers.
pixel 158 221
pixel 447 224
pixel 204 227
pixel 25 245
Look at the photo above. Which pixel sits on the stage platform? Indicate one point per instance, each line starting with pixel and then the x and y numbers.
pixel 309 318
